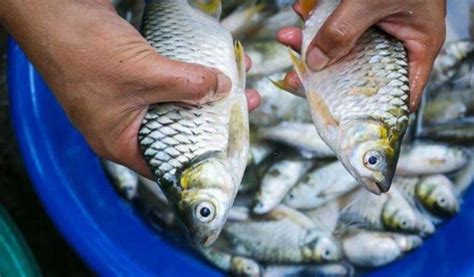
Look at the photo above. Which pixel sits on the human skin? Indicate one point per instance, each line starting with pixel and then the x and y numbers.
pixel 419 24
pixel 104 73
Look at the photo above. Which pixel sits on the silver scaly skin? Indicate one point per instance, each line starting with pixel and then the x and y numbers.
pixel 197 153
pixel 237 265
pixel 261 237
pixel 374 249
pixel 359 104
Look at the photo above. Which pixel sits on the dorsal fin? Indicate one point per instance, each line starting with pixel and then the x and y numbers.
pixel 210 7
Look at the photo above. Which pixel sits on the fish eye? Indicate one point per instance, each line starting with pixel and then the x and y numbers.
pixel 205 211
pixel 442 201
pixel 373 160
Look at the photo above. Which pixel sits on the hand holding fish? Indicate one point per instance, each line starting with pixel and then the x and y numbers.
pixel 104 73
pixel 418 24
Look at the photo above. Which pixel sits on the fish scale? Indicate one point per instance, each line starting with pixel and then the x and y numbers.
pixel 197 153
pixel 359 104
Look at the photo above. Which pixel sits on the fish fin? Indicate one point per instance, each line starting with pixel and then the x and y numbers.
pixel 281 84
pixel 240 58
pixel 298 63
pixel 210 7
pixel 307 6
pixel 326 125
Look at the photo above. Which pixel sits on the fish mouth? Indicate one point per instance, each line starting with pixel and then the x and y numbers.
pixel 376 187
pixel 205 240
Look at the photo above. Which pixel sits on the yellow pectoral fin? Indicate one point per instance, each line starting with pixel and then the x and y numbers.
pixel 240 59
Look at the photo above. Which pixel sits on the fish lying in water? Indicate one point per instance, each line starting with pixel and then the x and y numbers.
pixel 358 104
pixel 197 153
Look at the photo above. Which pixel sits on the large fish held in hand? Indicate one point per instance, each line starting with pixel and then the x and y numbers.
pixel 197 153
pixel 358 104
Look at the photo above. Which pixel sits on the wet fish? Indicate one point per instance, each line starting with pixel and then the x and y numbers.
pixel 301 136
pixel 234 264
pixel 430 158
pixel 435 193
pixel 278 180
pixel 374 249
pixel 448 60
pixel 463 178
pixel 456 132
pixel 268 57
pixel 197 153
pixel 243 20
pixel 359 104
pixel 269 28
pixel 282 236
pixel 276 104
pixel 325 270
pixel 320 186
pixel 387 212
pixel 124 180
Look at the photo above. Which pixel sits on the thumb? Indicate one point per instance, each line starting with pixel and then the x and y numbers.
pixel 339 33
pixel 168 80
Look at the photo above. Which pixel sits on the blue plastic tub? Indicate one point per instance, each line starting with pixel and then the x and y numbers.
pixel 111 238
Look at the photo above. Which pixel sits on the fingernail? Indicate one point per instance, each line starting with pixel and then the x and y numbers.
pixel 316 59
pixel 224 85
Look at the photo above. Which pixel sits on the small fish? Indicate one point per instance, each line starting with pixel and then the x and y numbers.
pixel 234 264
pixel 197 154
pixel 457 132
pixel 301 136
pixel 282 236
pixel 124 180
pixel 387 212
pixel 325 270
pixel 375 249
pixel 268 57
pixel 242 21
pixel 320 186
pixel 436 193
pixel 430 158
pixel 276 104
pixel 276 183
pixel 269 28
pixel 448 60
pixel 259 151
pixel 438 111
pixel 358 104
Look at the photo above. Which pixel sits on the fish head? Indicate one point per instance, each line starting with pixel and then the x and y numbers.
pixel 245 267
pixel 302 196
pixel 369 153
pixel 398 217
pixel 207 193
pixel 321 247
pixel 437 195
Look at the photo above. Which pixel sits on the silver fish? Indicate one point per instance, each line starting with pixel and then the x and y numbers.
pixel 277 105
pixel 278 180
pixel 435 193
pixel 197 153
pixel 359 104
pixel 124 180
pixel 374 249
pixel 448 60
pixel 387 212
pixel 282 236
pixel 268 57
pixel 234 264
pixel 320 186
pixel 430 158
pixel 325 270
pixel 301 136
pixel 269 28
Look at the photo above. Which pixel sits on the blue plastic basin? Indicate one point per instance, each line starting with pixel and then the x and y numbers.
pixel 112 239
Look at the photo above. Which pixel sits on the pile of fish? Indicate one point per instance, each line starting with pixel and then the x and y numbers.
pixel 322 181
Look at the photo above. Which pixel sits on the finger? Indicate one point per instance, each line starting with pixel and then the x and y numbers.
pixel 294 84
pixel 248 63
pixel 166 80
pixel 340 32
pixel 253 99
pixel 291 36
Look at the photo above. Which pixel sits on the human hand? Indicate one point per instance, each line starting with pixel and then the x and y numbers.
pixel 104 73
pixel 419 24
